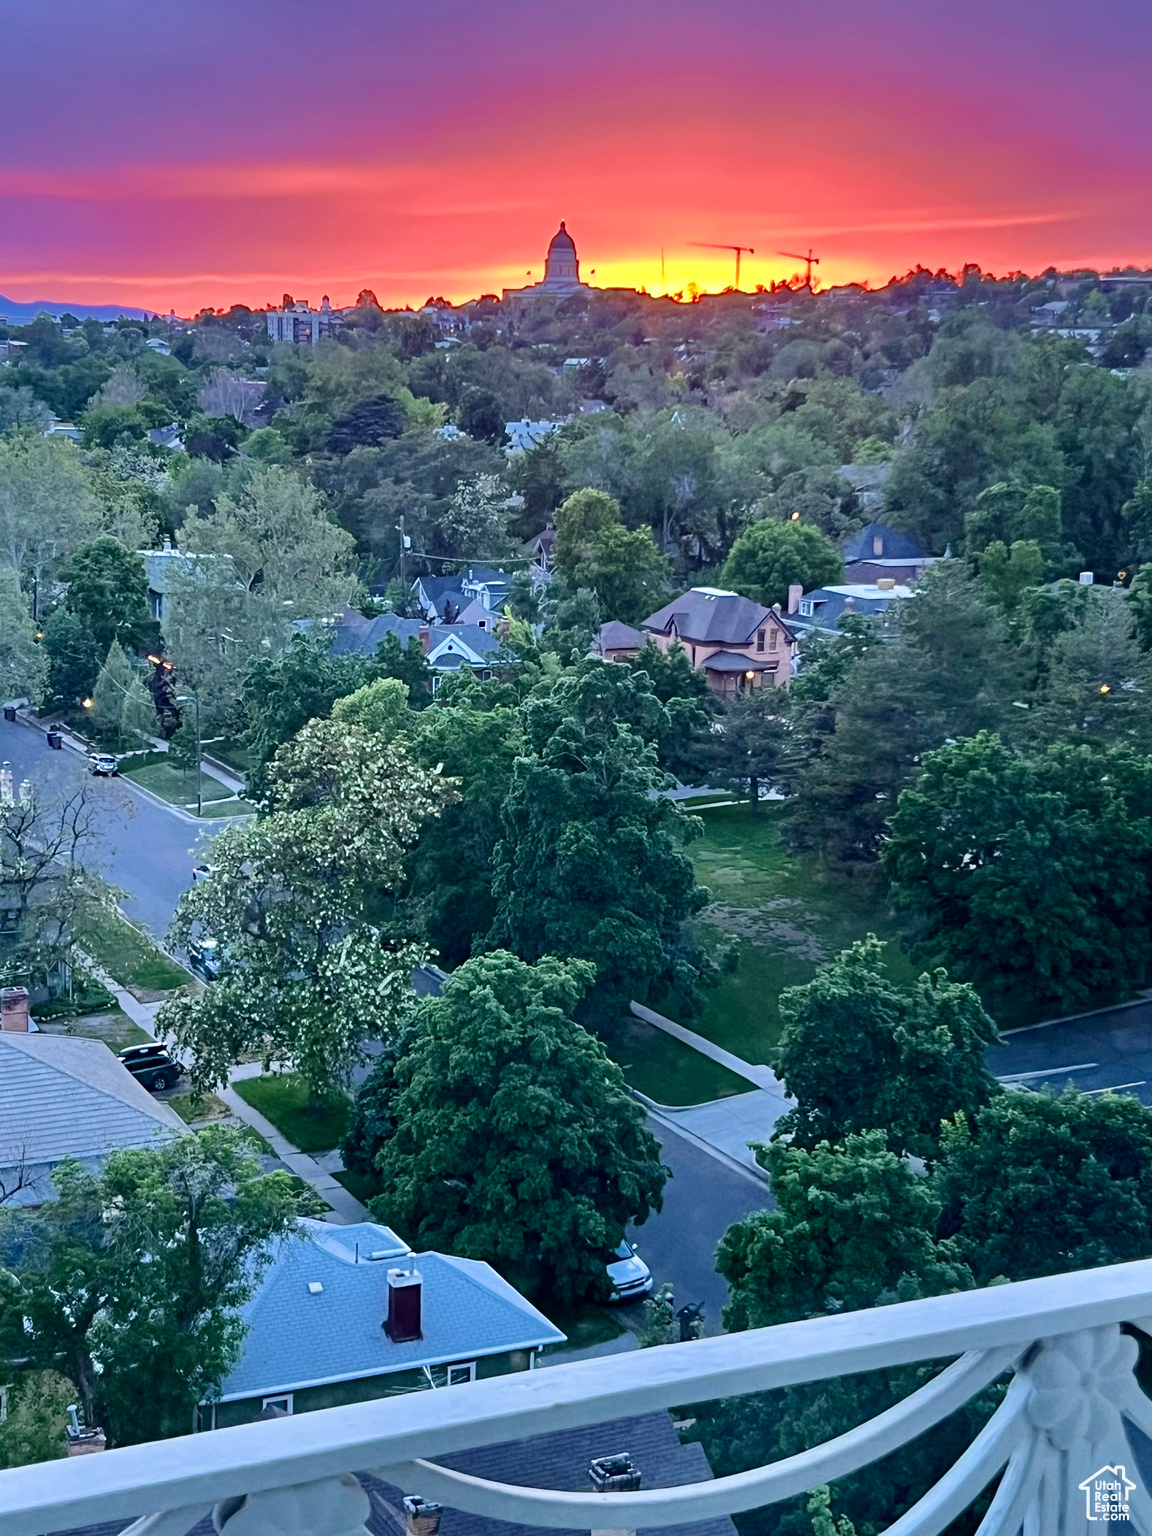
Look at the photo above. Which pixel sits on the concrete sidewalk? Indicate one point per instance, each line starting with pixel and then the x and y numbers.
pixel 346 1209
pixel 725 1126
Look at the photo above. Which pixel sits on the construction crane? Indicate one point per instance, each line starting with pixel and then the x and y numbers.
pixel 809 261
pixel 708 245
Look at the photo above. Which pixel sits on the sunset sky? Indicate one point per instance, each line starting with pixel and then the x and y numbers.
pixel 181 153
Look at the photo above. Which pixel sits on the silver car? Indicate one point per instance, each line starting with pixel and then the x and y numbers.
pixel 630 1276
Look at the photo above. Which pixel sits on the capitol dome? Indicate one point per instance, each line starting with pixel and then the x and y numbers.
pixel 562 268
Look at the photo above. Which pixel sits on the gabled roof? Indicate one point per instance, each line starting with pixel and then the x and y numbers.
pixel 297 1338
pixel 894 544
pixel 453 644
pixel 61 1096
pixel 356 634
pixel 711 616
pixel 615 636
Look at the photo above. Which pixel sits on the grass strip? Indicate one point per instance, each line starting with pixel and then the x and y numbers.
pixel 128 955
pixel 311 1124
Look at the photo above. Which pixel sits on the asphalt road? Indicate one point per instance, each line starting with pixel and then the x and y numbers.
pixel 141 847
pixel 701 1200
pixel 1111 1049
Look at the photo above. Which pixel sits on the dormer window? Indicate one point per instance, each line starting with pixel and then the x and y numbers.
pixel 806 607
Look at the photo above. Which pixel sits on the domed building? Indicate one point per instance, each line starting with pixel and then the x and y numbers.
pixel 561 271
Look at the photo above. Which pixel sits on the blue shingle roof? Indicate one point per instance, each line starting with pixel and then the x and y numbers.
pixel 298 1339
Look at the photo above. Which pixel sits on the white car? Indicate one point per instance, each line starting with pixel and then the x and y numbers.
pixel 202 872
pixel 630 1276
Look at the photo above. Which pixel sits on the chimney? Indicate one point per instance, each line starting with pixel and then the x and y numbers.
pixel 14 1010
pixel 885 583
pixel 795 593
pixel 420 1517
pixel 402 1324
pixel 425 636
pixel 613 1474
pixel 1086 578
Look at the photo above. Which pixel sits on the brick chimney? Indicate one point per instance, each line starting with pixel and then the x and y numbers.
pixel 420 1517
pixel 405 1288
pixel 613 1474
pixel 14 1009
pixel 425 636
pixel 795 593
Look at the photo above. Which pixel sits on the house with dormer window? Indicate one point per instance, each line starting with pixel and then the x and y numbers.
pixel 736 643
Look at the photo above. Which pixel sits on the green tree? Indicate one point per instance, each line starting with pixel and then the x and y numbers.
pixel 108 592
pixel 514 1138
pixel 593 549
pixel 1006 574
pixel 1096 682
pixel 279 537
pixel 480 416
pixel 23 663
pixel 1028 874
pixel 590 864
pixel 47 508
pixel 1009 513
pixel 949 668
pixel 1140 600
pixel 295 901
pixel 1040 1183
pixel 380 707
pixel 451 871
pixel 281 693
pixel 770 556
pixel 750 746
pixel 37 1414
pixel 858 1053
pixel 476 522
pixel 853 1228
pixel 138 1273
pixel 407 665
pixel 121 706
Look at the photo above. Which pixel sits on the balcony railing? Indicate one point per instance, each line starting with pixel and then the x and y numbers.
pixel 1059 1435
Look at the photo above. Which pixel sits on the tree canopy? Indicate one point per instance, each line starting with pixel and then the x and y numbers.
pixel 513 1139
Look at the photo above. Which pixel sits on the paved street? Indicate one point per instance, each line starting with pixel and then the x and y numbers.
pixel 701 1201
pixel 1110 1049
pixel 143 848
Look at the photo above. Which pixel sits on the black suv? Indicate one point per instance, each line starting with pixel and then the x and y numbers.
pixel 152 1066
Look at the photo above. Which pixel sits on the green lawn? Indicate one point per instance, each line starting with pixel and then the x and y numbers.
pixel 788 914
pixel 585 1323
pixel 113 1028
pixel 128 955
pixel 357 1185
pixel 195 1107
pixel 667 1071
pixel 179 788
pixel 310 1125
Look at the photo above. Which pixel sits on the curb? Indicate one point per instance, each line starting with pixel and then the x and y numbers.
pixel 663 1115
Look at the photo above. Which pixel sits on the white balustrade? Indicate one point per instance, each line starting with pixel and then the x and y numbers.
pixel 1059 1436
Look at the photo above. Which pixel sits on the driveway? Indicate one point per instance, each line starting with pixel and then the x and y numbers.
pixel 145 849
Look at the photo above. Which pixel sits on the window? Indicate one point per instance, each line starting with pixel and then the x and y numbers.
pixel 760 639
pixel 806 607
pixel 877 545
pixel 205 1417
pixel 284 1402
pixel 457 1374
pixel 775 640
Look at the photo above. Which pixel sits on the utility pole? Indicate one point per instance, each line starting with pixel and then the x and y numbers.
pixel 404 541
pixel 194 698
pixel 707 245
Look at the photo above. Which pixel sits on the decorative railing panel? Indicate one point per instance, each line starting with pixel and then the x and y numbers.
pixel 1058 1441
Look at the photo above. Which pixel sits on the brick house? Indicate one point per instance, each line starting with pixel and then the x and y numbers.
pixel 737 643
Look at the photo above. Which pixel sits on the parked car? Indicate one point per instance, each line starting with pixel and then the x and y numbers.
pixel 204 957
pixel 152 1066
pixel 630 1276
pixel 103 764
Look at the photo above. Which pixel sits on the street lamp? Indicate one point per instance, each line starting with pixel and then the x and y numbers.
pixel 192 698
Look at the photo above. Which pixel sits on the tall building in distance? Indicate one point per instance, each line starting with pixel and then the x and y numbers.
pixel 561 272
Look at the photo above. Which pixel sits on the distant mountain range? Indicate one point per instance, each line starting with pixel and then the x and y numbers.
pixel 21 314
